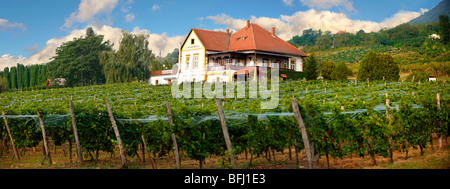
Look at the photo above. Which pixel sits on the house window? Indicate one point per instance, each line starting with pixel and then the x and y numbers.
pixel 265 62
pixel 156 82
pixel 195 61
pixel 275 63
pixel 188 60
pixel 293 64
pixel 192 41
pixel 227 60
pixel 285 64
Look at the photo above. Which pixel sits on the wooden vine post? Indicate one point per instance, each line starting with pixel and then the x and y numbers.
pixel 44 138
pixel 10 136
pixel 225 132
pixel 301 124
pixel 174 139
pixel 75 133
pixel 438 96
pixel 123 154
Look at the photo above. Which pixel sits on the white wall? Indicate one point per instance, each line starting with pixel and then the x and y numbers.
pixel 161 79
pixel 298 63
pixel 189 49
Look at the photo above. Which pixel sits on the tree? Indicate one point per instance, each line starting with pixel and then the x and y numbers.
pixel 388 68
pixel 3 84
pixel 340 72
pixel 324 42
pixel 7 75
pixel 326 67
pixel 444 27
pixel 13 74
pixel 172 58
pixel 311 68
pixel 20 77
pixel 78 62
pixel 377 66
pixel 89 32
pixel 133 61
pixel 308 38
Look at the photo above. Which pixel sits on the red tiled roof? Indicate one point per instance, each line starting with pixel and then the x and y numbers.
pixel 213 40
pixel 260 39
pixel 250 37
pixel 245 70
pixel 341 32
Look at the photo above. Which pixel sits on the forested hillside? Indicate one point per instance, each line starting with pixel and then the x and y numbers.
pixel 411 46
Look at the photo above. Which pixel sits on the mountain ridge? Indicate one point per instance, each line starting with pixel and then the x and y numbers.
pixel 432 15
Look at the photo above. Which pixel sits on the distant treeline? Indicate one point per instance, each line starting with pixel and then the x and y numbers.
pixel 24 77
pixel 89 60
pixel 403 35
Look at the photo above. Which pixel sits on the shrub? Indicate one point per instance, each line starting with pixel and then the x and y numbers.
pixel 377 66
pixel 340 72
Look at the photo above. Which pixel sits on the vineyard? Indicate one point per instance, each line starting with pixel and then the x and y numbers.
pixel 372 118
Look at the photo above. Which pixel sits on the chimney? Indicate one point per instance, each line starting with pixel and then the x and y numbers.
pixel 228 31
pixel 248 23
pixel 273 31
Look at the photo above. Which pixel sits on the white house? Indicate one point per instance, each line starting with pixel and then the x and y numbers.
pixel 163 76
pixel 215 56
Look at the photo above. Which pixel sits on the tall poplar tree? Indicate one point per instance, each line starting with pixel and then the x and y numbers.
pixel 311 68
pixel 444 26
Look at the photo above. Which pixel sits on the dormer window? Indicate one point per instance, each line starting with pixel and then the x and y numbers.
pixel 237 39
pixel 244 38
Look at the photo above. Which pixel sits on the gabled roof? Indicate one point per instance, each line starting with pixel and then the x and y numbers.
pixel 213 40
pixel 258 38
pixel 250 37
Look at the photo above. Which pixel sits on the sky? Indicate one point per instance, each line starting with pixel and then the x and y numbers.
pixel 30 31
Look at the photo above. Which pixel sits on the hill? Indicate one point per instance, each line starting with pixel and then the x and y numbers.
pixel 432 15
pixel 409 44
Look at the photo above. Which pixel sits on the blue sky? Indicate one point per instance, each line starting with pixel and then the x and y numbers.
pixel 31 30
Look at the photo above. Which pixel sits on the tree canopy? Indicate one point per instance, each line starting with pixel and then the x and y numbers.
pixel 377 66
pixel 311 68
pixel 340 72
pixel 78 61
pixel 444 27
pixel 133 61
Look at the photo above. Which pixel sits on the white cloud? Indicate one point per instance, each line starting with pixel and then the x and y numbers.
pixel 125 8
pixel 400 18
pixel 423 11
pixel 9 61
pixel 129 17
pixel 156 7
pixel 326 4
pixel 88 9
pixel 228 21
pixel 157 42
pixel 289 3
pixel 290 25
pixel 6 25
pixel 161 42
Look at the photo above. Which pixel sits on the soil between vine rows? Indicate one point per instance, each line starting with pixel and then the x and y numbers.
pixel 432 159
